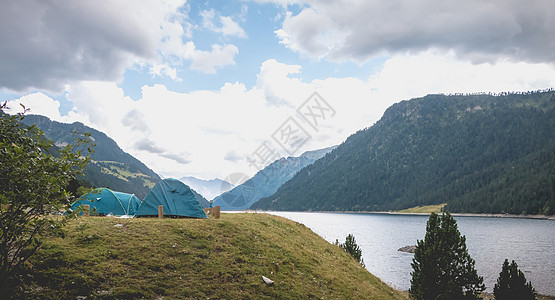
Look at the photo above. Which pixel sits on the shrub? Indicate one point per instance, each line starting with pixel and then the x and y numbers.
pixel 33 180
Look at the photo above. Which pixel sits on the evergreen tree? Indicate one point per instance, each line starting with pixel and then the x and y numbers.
pixel 512 284
pixel 442 267
pixel 351 247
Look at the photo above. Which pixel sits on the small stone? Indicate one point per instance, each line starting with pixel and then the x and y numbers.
pixel 408 249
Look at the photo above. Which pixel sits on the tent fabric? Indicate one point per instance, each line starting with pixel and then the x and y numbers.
pixel 176 197
pixel 105 201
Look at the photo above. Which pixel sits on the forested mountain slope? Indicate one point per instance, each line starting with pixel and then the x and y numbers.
pixel 267 181
pixel 111 167
pixel 477 153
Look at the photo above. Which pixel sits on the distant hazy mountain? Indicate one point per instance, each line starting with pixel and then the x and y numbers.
pixel 203 202
pixel 210 189
pixel 477 153
pixel 111 167
pixel 267 181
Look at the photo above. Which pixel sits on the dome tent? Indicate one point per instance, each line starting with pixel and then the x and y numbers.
pixel 104 201
pixel 176 197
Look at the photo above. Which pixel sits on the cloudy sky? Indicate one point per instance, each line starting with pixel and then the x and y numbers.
pixel 211 88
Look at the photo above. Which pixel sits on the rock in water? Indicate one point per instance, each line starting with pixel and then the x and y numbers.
pixel 408 249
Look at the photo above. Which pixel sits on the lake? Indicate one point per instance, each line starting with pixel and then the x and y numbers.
pixel 529 242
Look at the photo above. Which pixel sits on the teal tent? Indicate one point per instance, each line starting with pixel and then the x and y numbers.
pixel 176 197
pixel 104 201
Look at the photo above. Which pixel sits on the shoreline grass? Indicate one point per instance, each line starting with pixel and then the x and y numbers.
pixel 427 209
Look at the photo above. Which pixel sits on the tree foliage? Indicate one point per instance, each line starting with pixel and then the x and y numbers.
pixel 442 267
pixel 34 176
pixel 350 246
pixel 512 285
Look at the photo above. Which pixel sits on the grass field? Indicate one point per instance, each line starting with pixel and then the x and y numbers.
pixel 428 209
pixel 113 258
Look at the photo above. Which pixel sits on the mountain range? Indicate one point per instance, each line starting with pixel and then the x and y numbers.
pixel 267 181
pixel 111 167
pixel 478 153
pixel 210 189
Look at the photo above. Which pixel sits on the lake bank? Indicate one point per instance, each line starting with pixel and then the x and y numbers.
pixel 538 217
pixel 490 240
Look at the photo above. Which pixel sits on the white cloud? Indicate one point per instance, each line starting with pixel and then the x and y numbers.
pixel 208 61
pixel 104 104
pixel 208 19
pixel 283 3
pixel 278 86
pixel 310 32
pixel 172 45
pixel 164 70
pixel 231 28
pixel 433 72
pixel 173 33
pixel 211 134
pixel 174 48
pixel 233 156
pixel 228 27
pixel 38 104
pixel 475 30
pixel 48 44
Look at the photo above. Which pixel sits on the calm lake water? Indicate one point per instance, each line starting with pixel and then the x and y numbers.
pixel 530 242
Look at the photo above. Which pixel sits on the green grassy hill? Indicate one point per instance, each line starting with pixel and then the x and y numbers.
pixel 113 258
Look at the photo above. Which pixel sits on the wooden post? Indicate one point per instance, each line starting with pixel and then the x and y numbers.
pixel 87 210
pixel 216 212
pixel 212 211
pixel 160 211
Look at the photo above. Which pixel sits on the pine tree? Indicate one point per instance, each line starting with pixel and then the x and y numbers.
pixel 512 284
pixel 442 267
pixel 352 248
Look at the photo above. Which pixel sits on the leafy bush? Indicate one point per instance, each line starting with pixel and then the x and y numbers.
pixel 34 176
